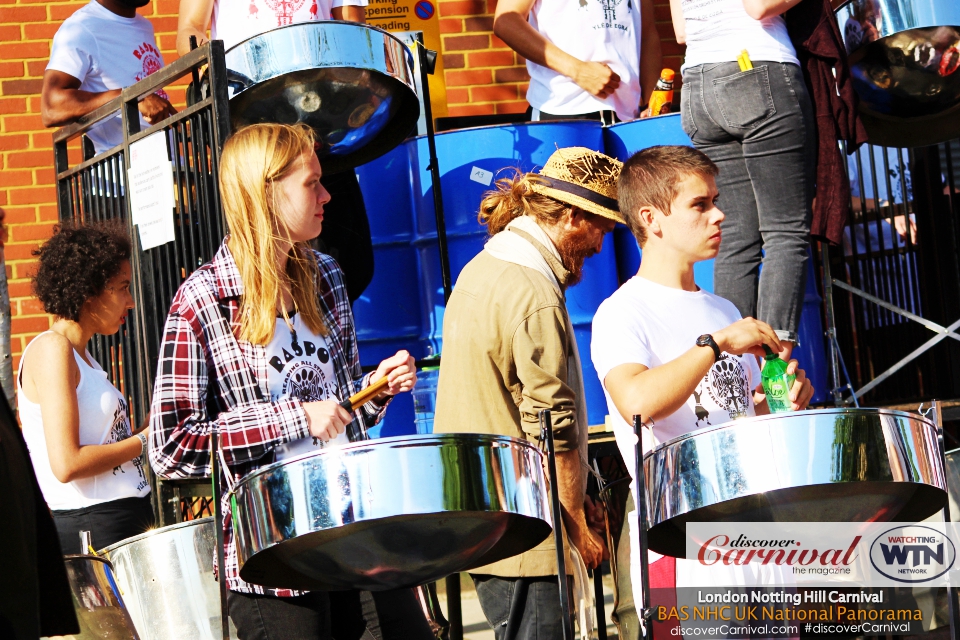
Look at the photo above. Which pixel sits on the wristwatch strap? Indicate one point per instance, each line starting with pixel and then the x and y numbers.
pixel 706 340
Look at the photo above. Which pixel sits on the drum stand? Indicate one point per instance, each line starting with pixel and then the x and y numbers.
pixel 546 436
pixel 218 524
pixel 645 611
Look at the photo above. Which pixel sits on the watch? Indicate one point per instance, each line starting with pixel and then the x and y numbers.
pixel 706 340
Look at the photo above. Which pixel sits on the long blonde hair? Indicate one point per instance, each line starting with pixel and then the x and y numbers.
pixel 515 197
pixel 253 159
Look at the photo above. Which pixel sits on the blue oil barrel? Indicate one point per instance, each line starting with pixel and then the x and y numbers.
pixel 387 315
pixel 470 161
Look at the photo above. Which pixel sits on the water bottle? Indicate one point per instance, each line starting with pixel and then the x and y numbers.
pixel 776 383
pixel 425 398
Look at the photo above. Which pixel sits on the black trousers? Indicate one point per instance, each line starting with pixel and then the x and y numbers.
pixel 108 522
pixel 339 615
pixel 346 231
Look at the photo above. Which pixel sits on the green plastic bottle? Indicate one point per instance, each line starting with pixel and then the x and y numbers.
pixel 776 383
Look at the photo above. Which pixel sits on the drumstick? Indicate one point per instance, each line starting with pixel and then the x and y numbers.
pixel 361 398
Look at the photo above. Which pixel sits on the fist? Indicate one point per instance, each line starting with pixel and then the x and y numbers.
pixel 747 336
pixel 597 79
pixel 399 371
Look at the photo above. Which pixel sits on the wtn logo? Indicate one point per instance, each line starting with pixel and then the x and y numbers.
pixel 912 553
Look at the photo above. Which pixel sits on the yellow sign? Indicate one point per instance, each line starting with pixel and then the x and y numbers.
pixel 415 15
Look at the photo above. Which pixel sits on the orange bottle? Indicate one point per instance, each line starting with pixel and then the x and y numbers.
pixel 663 93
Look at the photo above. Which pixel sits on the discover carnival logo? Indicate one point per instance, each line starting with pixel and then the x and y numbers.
pixel 913 553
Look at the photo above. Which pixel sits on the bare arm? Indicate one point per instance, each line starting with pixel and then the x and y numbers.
pixel 510 25
pixel 194 20
pixel 62 101
pixel 570 478
pixel 651 58
pixel 52 361
pixel 349 13
pixel 760 9
pixel 679 24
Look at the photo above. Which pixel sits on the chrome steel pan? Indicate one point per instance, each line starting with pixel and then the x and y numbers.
pixel 390 513
pixel 167 580
pixel 97 601
pixel 830 465
pixel 352 83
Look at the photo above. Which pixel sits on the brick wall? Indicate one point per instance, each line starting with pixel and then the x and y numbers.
pixel 483 76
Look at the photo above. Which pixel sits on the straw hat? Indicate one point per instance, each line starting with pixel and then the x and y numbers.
pixel 583 178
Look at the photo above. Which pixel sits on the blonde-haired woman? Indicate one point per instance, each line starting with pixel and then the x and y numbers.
pixel 259 344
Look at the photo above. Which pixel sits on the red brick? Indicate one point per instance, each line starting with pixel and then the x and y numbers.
pixel 468 78
pixel 168 43
pixel 11 69
pixel 166 24
pixel 453 61
pixel 23 50
pixel 470 110
pixel 46 175
pixel 167 7
pixel 661 13
pixel 31 195
pixel 33 104
pixel 42 31
pixel 22 178
pixel 20 251
pixel 465 43
pixel 13 105
pixel 461 8
pixel 451 25
pixel 497 43
pixel 520 59
pixel 16 141
pixel 49 213
pixel 13 124
pixel 491 6
pixel 511 74
pixel 31 306
pixel 21 87
pixel 490 59
pixel 512 107
pixel 42 139
pixel 484 23
pixel 20 233
pixel 36 68
pixel 20 215
pixel 60 12
pixel 19 289
pixel 457 96
pixel 9 32
pixel 33 324
pixel 493 94
pixel 3 198
pixel 30 159
pixel 23 14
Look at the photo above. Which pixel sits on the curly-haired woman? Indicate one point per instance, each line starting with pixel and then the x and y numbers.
pixel 76 424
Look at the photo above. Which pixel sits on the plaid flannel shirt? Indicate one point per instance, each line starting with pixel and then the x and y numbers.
pixel 209 380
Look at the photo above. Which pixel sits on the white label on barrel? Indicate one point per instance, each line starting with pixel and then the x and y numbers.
pixel 482 176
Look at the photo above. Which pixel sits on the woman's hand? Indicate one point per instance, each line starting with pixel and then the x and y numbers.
pixel 399 370
pixel 326 419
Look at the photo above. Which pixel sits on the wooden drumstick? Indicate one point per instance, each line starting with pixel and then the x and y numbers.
pixel 361 398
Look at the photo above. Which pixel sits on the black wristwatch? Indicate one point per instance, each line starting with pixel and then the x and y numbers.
pixel 706 340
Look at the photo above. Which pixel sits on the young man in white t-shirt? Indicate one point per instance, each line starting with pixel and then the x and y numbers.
pixel 99 50
pixel 666 350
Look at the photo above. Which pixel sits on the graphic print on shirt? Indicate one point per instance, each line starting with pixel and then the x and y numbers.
pixel 303 379
pixel 120 430
pixel 284 10
pixel 702 414
pixel 149 56
pixel 727 382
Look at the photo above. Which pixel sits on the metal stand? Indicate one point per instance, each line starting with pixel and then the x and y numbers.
pixel 218 524
pixel 546 435
pixel 836 358
pixel 428 61
pixel 644 610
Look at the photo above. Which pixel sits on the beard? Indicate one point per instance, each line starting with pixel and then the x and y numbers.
pixel 134 4
pixel 574 248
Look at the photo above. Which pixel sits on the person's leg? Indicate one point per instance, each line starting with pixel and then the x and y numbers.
pixel 495 595
pixel 346 231
pixel 542 612
pixel 736 268
pixel 348 623
pixel 262 617
pixel 400 617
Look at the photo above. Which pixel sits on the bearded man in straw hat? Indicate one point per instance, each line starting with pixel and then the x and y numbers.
pixel 510 352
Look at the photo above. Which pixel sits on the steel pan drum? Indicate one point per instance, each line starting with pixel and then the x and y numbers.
pixel 905 63
pixel 352 83
pixel 97 601
pixel 166 577
pixel 390 513
pixel 830 465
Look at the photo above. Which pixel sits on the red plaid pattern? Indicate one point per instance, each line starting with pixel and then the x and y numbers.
pixel 209 380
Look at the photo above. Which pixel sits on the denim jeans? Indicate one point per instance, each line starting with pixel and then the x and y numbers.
pixel 758 127
pixel 529 606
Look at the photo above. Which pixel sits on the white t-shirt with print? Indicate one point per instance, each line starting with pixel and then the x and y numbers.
pixel 105 51
pixel 299 365
pixel 593 31
pixel 236 20
pixel 718 30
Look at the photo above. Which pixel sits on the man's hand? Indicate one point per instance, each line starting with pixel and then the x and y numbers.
pixel 153 108
pixel 596 78
pixel 747 336
pixel 592 548
pixel 802 390
pixel 595 513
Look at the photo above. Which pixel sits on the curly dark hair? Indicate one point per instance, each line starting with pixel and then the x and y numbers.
pixel 76 264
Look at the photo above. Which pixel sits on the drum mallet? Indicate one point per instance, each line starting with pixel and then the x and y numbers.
pixel 646 610
pixel 364 396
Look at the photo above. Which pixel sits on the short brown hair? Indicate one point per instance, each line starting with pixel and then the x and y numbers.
pixel 650 178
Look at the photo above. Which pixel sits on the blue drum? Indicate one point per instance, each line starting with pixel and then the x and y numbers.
pixel 470 161
pixel 387 315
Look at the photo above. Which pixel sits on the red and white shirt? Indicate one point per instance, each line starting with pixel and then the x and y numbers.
pixel 208 380
pixel 236 20
pixel 105 51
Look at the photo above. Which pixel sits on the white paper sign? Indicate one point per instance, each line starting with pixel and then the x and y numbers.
pixel 151 191
pixel 482 176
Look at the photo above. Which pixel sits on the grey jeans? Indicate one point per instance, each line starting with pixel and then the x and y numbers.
pixel 528 607
pixel 758 127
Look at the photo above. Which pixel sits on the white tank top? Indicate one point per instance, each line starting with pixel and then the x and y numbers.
pixel 594 31
pixel 103 420
pixel 718 30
